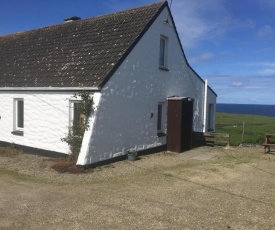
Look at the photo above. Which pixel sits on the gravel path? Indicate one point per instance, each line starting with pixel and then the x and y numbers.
pixel 232 188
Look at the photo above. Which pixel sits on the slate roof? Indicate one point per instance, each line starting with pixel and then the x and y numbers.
pixel 81 53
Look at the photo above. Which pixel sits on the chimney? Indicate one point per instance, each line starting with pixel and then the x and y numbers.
pixel 71 19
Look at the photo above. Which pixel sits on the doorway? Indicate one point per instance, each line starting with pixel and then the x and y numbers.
pixel 179 124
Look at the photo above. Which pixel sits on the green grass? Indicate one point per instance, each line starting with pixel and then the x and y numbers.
pixel 16 175
pixel 255 127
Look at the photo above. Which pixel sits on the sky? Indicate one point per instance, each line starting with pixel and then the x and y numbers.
pixel 231 43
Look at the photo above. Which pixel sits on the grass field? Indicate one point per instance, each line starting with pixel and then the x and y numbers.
pixel 244 128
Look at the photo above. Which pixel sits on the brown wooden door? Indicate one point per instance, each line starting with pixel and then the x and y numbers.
pixel 179 124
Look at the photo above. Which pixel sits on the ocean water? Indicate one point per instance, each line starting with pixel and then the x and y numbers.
pixel 262 110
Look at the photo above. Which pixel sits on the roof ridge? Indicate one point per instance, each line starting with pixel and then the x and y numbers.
pixel 84 19
pixel 129 9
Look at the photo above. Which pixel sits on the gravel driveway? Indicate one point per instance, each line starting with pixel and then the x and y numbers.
pixel 206 188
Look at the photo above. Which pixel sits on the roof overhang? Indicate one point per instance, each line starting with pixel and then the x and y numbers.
pixel 49 89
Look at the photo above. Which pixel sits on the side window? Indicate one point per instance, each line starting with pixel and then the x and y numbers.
pixel 18 123
pixel 76 117
pixel 161 119
pixel 163 49
pixel 210 117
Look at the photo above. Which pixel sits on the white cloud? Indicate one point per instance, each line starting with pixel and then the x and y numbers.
pixel 271 64
pixel 236 84
pixel 265 64
pixel 202 58
pixel 268 4
pixel 199 20
pixel 266 32
pixel 211 20
pixel 267 72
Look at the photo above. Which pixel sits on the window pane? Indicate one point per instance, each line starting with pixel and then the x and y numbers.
pixel 78 119
pixel 159 116
pixel 77 109
pixel 210 115
pixel 162 52
pixel 20 114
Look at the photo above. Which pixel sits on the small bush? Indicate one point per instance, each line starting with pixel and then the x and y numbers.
pixel 77 130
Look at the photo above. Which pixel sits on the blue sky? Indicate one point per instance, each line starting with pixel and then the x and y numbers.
pixel 229 42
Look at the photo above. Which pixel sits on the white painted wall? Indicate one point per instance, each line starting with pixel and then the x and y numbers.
pixel 123 119
pixel 46 119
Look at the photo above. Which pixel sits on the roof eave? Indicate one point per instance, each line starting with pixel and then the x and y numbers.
pixel 51 89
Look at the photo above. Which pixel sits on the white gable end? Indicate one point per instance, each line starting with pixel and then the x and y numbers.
pixel 127 114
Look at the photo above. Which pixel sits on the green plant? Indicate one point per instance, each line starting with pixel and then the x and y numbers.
pixel 132 153
pixel 77 129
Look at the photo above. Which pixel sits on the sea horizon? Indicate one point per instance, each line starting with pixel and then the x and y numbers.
pixel 251 109
pixel 242 104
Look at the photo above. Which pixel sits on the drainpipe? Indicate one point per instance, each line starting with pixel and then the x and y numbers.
pixel 205 106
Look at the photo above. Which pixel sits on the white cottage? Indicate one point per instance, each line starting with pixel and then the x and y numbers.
pixel 145 93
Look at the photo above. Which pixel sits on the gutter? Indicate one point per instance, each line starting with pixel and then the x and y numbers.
pixel 50 89
pixel 205 105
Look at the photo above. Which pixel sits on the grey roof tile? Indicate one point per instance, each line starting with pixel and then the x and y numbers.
pixel 82 53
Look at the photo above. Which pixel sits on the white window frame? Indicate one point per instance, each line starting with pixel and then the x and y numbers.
pixel 16 111
pixel 71 114
pixel 163 52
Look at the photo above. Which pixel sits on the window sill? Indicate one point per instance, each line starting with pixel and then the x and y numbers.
pixel 161 134
pixel 163 68
pixel 18 133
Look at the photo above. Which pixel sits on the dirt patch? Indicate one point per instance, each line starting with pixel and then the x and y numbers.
pixel 234 189
pixel 65 165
